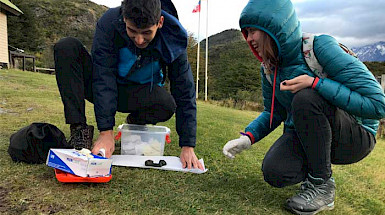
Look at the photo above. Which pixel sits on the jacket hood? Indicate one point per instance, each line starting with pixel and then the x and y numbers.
pixel 278 19
pixel 173 38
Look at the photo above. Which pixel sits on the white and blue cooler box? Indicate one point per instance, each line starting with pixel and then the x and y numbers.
pixel 71 161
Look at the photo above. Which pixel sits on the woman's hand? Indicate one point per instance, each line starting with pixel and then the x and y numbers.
pixel 236 146
pixel 296 84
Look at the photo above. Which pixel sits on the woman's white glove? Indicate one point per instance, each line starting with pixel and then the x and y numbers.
pixel 236 146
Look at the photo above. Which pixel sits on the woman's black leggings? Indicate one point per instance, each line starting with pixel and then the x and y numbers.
pixel 323 135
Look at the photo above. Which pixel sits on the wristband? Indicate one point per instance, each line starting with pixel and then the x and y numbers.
pixel 315 82
pixel 249 135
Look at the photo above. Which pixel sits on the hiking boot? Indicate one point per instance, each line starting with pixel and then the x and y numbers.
pixel 315 195
pixel 81 136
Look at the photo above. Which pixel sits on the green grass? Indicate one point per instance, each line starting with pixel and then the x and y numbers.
pixel 229 187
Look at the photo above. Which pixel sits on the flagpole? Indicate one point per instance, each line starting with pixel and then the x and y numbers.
pixel 207 47
pixel 198 50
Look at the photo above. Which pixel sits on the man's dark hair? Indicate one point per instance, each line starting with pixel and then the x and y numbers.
pixel 143 13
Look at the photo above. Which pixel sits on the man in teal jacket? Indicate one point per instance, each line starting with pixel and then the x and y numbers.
pixel 327 120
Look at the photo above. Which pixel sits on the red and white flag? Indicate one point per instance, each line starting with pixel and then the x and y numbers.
pixel 197 8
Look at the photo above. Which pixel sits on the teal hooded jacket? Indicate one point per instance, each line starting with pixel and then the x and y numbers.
pixel 349 85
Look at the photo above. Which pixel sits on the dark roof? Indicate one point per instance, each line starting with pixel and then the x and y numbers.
pixel 10 8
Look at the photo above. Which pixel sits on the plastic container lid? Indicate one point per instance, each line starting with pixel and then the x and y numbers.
pixel 144 129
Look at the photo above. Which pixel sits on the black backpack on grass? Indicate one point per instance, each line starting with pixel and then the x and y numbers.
pixel 32 143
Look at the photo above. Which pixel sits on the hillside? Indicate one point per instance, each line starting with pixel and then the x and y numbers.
pixel 44 22
pixel 233 71
pixel 377 68
pixel 223 38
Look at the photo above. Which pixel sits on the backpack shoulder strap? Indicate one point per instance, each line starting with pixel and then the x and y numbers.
pixel 310 58
pixel 266 75
pixel 347 50
pixel 169 7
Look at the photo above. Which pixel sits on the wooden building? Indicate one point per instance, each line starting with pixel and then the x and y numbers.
pixel 6 9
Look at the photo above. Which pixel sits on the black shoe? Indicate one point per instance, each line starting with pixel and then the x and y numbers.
pixel 315 195
pixel 134 121
pixel 129 120
pixel 81 136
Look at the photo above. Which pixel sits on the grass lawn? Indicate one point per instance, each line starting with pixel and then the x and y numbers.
pixel 229 187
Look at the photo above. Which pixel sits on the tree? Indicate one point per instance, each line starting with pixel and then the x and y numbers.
pixel 23 30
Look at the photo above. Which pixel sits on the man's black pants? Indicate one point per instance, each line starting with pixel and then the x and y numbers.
pixel 73 66
pixel 323 135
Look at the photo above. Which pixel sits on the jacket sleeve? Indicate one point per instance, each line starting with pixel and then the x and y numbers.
pixel 183 91
pixel 105 60
pixel 349 84
pixel 260 127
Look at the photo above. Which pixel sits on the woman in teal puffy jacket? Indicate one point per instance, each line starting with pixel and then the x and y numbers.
pixel 327 120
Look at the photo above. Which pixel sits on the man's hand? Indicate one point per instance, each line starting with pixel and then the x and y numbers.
pixel 189 159
pixel 236 146
pixel 296 84
pixel 105 141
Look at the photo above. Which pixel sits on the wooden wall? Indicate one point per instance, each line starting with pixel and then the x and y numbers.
pixel 3 38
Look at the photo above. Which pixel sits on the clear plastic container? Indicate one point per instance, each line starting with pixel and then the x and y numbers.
pixel 147 140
